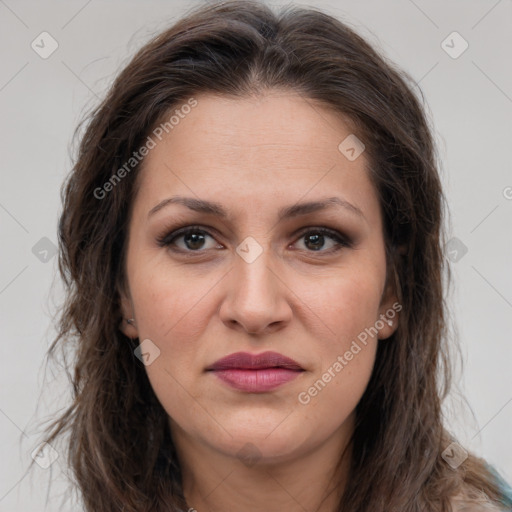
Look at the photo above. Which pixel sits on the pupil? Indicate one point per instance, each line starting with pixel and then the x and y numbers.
pixel 317 240
pixel 194 238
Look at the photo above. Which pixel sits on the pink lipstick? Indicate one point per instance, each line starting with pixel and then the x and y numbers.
pixel 256 373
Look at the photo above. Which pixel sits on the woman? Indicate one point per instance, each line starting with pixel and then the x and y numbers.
pixel 252 243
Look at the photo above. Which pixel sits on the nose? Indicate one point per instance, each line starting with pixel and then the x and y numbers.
pixel 256 299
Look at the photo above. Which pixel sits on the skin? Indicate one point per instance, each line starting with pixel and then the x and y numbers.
pixel 256 155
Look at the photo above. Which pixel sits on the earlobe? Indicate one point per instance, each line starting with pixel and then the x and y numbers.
pixel 389 312
pixel 388 321
pixel 390 305
pixel 127 326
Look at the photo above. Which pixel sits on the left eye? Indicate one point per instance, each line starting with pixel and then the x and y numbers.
pixel 194 239
pixel 315 240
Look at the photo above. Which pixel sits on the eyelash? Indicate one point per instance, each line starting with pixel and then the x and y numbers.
pixel 168 239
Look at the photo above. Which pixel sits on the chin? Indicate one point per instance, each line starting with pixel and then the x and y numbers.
pixel 260 439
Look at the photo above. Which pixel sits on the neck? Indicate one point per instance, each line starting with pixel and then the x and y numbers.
pixel 310 481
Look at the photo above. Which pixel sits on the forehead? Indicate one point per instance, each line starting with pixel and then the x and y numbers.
pixel 270 145
pixel 277 124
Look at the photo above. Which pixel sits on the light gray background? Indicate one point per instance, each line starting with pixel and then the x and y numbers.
pixel 42 100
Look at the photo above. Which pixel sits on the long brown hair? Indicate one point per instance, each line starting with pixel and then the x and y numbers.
pixel 120 448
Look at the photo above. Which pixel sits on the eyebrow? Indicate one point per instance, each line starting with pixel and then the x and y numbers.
pixel 295 210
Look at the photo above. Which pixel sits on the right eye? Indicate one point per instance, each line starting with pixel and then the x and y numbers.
pixel 193 240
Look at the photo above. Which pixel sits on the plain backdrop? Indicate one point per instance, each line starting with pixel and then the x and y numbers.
pixel 469 98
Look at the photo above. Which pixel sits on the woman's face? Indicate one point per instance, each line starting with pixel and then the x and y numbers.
pixel 260 277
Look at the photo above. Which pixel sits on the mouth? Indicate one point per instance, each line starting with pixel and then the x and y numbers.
pixel 256 373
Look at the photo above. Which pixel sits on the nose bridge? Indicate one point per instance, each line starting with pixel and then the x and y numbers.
pixel 254 300
pixel 254 278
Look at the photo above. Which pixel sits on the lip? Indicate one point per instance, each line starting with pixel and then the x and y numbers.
pixel 246 361
pixel 256 373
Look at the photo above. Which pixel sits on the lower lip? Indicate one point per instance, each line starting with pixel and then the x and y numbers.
pixel 257 381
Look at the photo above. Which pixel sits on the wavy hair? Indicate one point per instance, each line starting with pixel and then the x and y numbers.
pixel 120 448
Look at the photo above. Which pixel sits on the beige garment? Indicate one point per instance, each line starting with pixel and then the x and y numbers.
pixel 474 501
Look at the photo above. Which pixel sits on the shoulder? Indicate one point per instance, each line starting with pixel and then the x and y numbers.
pixel 461 504
pixel 471 503
pixel 473 500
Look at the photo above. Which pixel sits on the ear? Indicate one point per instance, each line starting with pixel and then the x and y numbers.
pixel 390 306
pixel 128 329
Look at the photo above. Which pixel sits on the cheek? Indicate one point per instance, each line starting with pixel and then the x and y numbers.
pixel 346 356
pixel 173 310
pixel 348 309
pixel 166 297
pixel 173 313
pixel 345 303
pixel 332 396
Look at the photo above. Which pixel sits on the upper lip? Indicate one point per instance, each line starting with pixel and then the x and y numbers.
pixel 246 361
